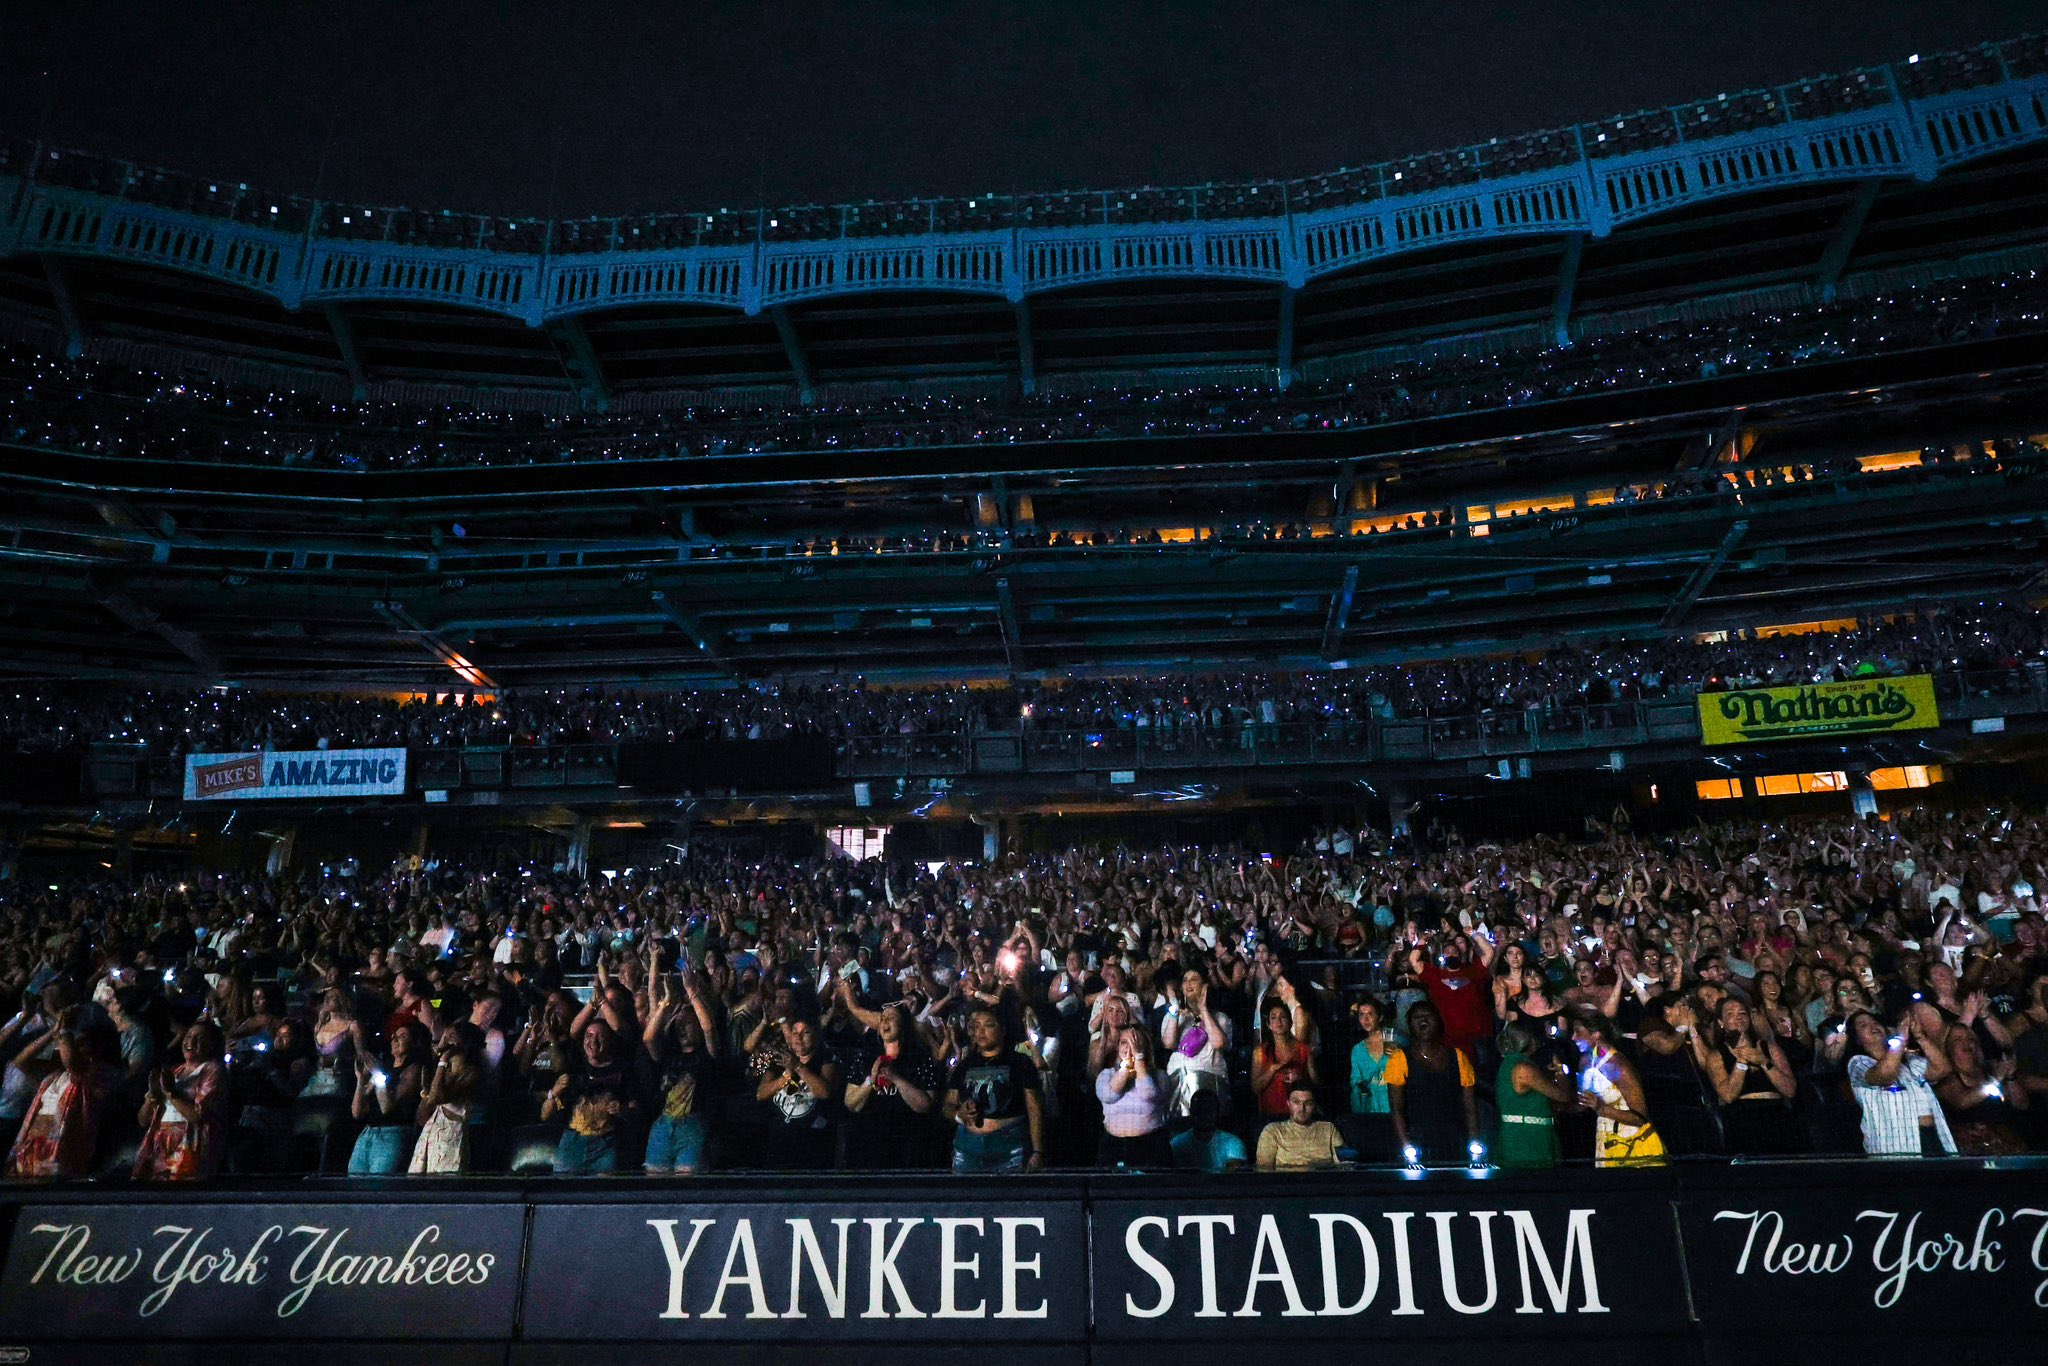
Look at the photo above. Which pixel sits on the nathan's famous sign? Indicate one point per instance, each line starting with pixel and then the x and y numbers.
pixel 1861 706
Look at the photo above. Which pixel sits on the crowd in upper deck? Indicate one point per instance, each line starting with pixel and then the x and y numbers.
pixel 1989 643
pixel 105 408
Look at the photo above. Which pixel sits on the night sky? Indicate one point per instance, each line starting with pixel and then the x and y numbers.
pixel 575 109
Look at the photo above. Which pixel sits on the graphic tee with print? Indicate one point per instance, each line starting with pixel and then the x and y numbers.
pixel 996 1084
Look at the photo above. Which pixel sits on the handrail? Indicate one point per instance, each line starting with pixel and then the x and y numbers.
pixel 116 769
pixel 1909 120
pixel 1831 95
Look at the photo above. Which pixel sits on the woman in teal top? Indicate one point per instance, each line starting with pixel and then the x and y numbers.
pixel 1369 1128
pixel 1369 1060
pixel 1527 1097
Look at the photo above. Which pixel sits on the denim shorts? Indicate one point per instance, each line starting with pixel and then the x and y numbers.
pixel 674 1144
pixel 1001 1153
pixel 381 1150
pixel 587 1154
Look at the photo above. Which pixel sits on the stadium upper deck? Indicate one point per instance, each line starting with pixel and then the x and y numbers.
pixel 1775 196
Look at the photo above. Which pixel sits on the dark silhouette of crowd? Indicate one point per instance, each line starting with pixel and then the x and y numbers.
pixel 105 408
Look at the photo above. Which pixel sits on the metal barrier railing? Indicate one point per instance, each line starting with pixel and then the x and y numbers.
pixel 114 769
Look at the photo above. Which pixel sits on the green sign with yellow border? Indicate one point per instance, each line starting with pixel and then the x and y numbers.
pixel 1861 706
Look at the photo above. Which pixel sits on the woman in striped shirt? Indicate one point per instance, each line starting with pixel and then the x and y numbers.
pixel 1901 1114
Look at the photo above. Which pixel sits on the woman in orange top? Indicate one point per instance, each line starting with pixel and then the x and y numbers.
pixel 1433 1091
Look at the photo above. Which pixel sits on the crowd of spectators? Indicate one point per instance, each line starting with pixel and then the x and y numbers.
pixel 104 408
pixel 1984 639
pixel 1839 986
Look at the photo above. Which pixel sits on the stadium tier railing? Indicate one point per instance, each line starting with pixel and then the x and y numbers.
pixel 116 770
pixel 1910 120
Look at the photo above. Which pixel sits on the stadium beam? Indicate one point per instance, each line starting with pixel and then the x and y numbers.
pixel 139 618
pixel 344 333
pixel 1283 357
pixel 1013 634
pixel 580 363
pixel 690 625
pixel 1836 258
pixel 407 625
pixel 793 347
pixel 1027 358
pixel 66 302
pixel 1566 289
pixel 1701 577
pixel 1340 612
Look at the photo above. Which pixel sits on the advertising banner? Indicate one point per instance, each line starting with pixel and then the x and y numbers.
pixel 359 1270
pixel 1597 1267
pixel 1861 706
pixel 990 1271
pixel 294 773
pixel 1366 1266
pixel 1886 1258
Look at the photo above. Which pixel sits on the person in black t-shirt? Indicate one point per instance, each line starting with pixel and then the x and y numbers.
pixel 992 1097
pixel 599 1100
pixel 801 1086
pixel 893 1106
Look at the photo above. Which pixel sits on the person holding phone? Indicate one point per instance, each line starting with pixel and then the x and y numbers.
pixel 993 1100
pixel 386 1103
pixel 681 1039
pixel 1751 1079
pixel 1623 1135
pixel 1432 1091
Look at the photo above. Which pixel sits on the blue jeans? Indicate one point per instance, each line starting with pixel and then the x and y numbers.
pixel 587 1154
pixel 675 1144
pixel 381 1150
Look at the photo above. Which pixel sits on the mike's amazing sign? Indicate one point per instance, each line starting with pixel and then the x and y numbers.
pixel 295 773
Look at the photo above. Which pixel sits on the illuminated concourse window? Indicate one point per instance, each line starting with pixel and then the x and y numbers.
pixel 1913 775
pixel 859 841
pixel 1793 784
pixel 1800 784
